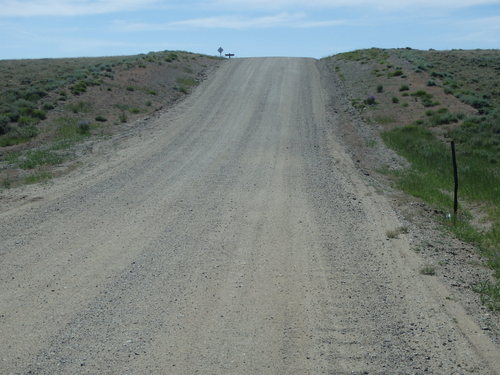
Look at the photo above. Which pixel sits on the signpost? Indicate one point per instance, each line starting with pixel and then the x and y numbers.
pixel 220 50
pixel 229 55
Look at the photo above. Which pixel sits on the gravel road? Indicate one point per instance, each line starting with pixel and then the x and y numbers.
pixel 231 235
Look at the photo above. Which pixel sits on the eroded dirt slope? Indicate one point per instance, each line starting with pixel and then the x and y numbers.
pixel 232 235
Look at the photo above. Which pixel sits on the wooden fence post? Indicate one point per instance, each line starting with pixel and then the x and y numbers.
pixel 455 177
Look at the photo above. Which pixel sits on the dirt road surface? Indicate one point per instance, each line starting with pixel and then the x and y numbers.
pixel 231 235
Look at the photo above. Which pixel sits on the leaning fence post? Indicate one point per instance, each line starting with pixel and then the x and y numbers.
pixel 455 177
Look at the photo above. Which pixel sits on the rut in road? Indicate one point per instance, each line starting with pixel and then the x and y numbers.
pixel 232 236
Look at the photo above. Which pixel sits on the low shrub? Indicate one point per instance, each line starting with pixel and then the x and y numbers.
pixel 84 127
pixel 442 117
pixel 395 73
pixel 428 270
pixel 186 81
pixel 474 101
pixel 18 135
pixel 370 100
pixel 79 88
pixel 27 120
pixel 122 117
pixel 4 124
pixel 425 98
pixel 80 107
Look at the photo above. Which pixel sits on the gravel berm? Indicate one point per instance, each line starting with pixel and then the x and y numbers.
pixel 231 235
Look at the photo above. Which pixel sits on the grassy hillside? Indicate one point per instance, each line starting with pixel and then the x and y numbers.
pixel 49 105
pixel 422 100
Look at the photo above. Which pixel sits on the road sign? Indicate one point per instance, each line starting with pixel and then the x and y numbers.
pixel 229 54
pixel 220 50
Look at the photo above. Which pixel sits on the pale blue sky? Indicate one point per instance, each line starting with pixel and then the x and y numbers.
pixel 313 28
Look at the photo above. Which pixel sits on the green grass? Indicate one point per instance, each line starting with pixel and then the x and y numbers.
pixel 490 294
pixel 38 177
pixel 431 179
pixel 441 117
pixel 185 83
pixel 358 104
pixel 480 180
pixel 37 158
pixel 69 132
pixel 385 119
pixel 18 135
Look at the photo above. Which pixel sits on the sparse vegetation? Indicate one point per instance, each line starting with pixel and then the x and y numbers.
pixel 370 100
pixel 396 73
pixel 123 117
pixel 42 176
pixel 395 233
pixel 185 84
pixel 33 159
pixel 80 107
pixel 428 270
pixel 84 128
pixel 490 294
pixel 47 106
pixel 442 117
pixel 425 98
pixel 357 103
pixel 384 119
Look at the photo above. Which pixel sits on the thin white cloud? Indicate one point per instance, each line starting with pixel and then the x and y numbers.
pixel 485 22
pixel 478 31
pixel 379 4
pixel 30 8
pixel 235 22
